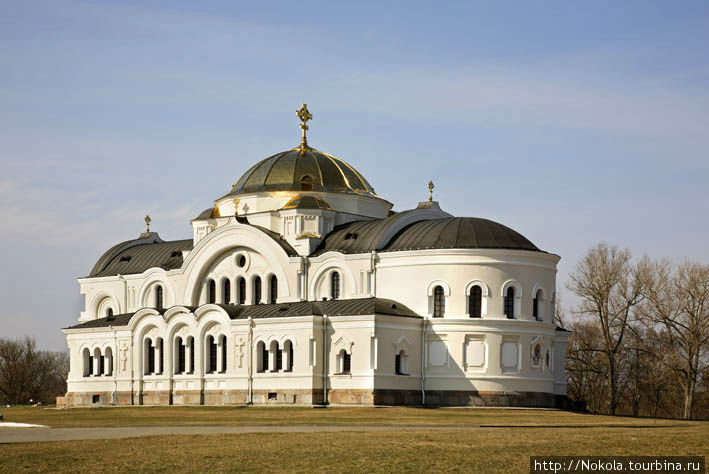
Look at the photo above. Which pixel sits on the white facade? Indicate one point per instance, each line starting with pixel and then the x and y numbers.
pixel 225 342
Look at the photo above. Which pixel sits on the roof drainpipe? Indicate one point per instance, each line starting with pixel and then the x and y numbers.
pixel 324 359
pixel 250 400
pixel 114 354
pixel 423 361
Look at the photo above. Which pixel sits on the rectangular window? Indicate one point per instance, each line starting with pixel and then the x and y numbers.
pixel 212 356
pixel 181 359
pixel 397 364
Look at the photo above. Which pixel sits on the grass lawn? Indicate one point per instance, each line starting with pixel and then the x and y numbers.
pixel 504 449
pixel 201 415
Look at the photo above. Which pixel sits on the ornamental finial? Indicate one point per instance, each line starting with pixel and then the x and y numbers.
pixel 304 115
pixel 147 224
pixel 430 190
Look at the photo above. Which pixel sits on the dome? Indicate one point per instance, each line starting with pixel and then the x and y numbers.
pixel 303 170
pixel 307 202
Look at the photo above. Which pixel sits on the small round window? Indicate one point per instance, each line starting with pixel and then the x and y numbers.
pixel 306 183
pixel 241 260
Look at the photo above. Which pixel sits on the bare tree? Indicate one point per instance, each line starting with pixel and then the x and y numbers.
pixel 29 374
pixel 678 302
pixel 610 287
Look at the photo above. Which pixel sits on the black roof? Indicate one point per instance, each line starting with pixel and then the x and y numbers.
pixel 444 233
pixel 348 307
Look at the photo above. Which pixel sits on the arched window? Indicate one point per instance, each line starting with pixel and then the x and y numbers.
pixel 222 343
pixel 401 363
pixel 261 357
pixel 335 285
pixel 180 359
pixel 109 313
pixel 257 290
pixel 88 362
pixel 273 286
pixel 190 355
pixel 149 357
pixel 288 354
pixel 158 297
pixel 536 355
pixel 226 291
pixel 306 183
pixel 439 302
pixel 211 292
pixel 242 290
pixel 510 303
pixel 211 355
pixel 475 302
pixel 275 357
pixel 108 364
pixel 344 362
pixel 535 305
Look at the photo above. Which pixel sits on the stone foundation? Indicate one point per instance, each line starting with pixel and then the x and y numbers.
pixel 358 397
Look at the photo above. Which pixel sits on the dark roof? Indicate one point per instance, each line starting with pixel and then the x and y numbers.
pixel 350 307
pixel 138 258
pixel 458 233
pixel 449 232
pixel 284 171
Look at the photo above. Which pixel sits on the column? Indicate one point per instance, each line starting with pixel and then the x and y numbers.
pixel 220 349
pixel 189 355
pixel 158 351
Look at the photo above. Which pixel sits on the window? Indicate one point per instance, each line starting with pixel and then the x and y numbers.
pixel 401 363
pixel 212 292
pixel 475 302
pixel 180 365
pixel 535 306
pixel 212 361
pixel 276 359
pixel 439 302
pixel 109 313
pixel 288 350
pixel 101 365
pixel 306 183
pixel 536 355
pixel 257 290
pixel 222 341
pixel 273 283
pixel 510 303
pixel 226 291
pixel 158 297
pixel 241 261
pixel 344 362
pixel 242 290
pixel 335 285
pixel 151 357
pixel 262 357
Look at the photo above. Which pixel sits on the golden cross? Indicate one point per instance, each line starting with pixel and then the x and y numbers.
pixel 430 190
pixel 304 115
pixel 147 223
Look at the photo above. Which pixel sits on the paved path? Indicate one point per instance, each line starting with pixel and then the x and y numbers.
pixel 31 435
pixel 25 435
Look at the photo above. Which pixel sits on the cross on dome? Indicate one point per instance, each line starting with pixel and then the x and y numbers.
pixel 304 115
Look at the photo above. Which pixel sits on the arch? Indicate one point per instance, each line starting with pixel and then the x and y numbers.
pixel 146 294
pixel 275 359
pixel 539 287
pixel 344 362
pixel 210 355
pixel 261 357
pixel 98 362
pixel 256 289
pixel 224 239
pixel 108 361
pixel 318 287
pixel 88 362
pixel 109 312
pixel 272 289
pixel 441 283
pixel 401 363
pixel 485 293
pixel 512 299
pixel 101 302
pixel 211 291
pixel 288 356
pixel 179 355
pixel 335 285
pixel 225 285
pixel 159 297
pixel 241 290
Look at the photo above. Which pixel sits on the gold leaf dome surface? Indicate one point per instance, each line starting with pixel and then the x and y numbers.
pixel 303 170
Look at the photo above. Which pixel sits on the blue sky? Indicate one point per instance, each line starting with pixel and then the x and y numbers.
pixel 570 122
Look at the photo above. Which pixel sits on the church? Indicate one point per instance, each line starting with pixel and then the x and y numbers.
pixel 301 286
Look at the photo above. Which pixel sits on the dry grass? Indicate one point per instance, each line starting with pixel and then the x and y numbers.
pixel 484 450
pixel 201 415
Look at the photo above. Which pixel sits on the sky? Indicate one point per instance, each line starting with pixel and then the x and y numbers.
pixel 570 122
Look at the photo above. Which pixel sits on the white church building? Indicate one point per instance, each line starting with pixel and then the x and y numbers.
pixel 301 286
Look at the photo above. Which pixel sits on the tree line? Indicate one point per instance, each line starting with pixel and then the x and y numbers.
pixel 29 375
pixel 640 342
